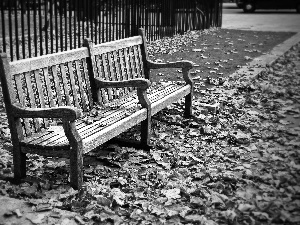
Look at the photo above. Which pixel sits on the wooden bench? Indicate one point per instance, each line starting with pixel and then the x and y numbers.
pixel 69 103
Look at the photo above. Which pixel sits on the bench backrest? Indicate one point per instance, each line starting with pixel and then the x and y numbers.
pixel 119 60
pixel 59 79
pixel 66 78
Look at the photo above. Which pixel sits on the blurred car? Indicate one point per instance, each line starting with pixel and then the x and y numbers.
pixel 251 5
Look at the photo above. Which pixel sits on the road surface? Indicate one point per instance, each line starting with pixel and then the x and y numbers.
pixel 260 20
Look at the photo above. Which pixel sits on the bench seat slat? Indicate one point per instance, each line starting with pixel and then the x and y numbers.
pixel 113 122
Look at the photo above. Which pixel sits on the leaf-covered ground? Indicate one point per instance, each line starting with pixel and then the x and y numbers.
pixel 239 166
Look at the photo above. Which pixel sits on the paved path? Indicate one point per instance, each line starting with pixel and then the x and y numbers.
pixel 260 20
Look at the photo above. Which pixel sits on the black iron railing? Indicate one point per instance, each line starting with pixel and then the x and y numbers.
pixel 36 27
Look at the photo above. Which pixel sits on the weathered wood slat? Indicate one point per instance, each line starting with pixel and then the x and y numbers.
pixel 57 85
pixel 40 90
pixel 140 59
pixel 73 84
pixel 136 62
pixel 132 63
pixel 127 65
pixel 111 74
pixel 99 74
pixel 87 81
pixel 119 91
pixel 173 96
pixel 65 83
pixel 112 131
pixel 32 99
pixel 109 92
pixel 21 98
pixel 116 45
pixel 121 71
pixel 35 63
pixel 48 87
pixel 83 95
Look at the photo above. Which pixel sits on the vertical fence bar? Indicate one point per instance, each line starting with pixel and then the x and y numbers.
pixel 105 14
pixel 61 35
pixel 46 25
pixel 10 31
pixel 65 24
pixel 100 20
pixel 3 26
pixel 70 23
pixel 87 20
pixel 79 17
pixel 109 21
pixel 119 19
pixel 123 12
pixel 28 28
pixel 56 25
pixel 116 16
pixel 95 20
pixel 40 27
pixel 113 20
pixel 16 31
pixel 75 18
pixel 23 28
pixel 83 18
pixel 34 28
pixel 91 12
pixel 51 24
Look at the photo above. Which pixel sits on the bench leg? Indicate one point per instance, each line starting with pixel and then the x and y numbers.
pixel 76 166
pixel 19 160
pixel 76 150
pixel 188 105
pixel 146 133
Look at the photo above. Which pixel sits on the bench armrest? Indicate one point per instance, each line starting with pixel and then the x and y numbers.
pixel 184 64
pixel 179 64
pixel 138 83
pixel 65 112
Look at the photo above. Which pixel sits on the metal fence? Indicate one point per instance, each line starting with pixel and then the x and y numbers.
pixel 36 27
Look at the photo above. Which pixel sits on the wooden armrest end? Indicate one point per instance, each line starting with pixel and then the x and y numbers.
pixel 184 64
pixel 65 112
